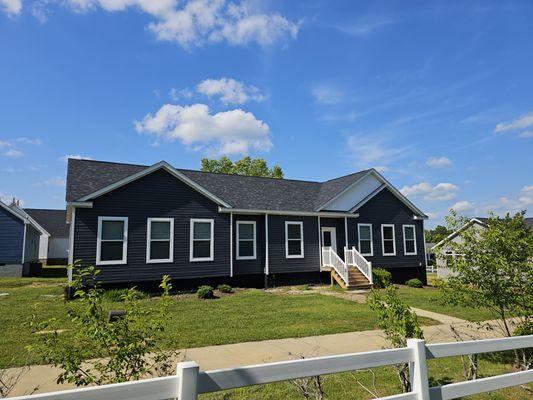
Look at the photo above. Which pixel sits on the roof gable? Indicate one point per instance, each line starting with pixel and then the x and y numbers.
pixel 53 221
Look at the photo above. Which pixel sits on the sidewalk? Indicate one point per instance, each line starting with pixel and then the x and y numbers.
pixel 42 377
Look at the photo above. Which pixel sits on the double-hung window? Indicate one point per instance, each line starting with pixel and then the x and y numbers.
pixel 160 240
pixel 246 240
pixel 409 240
pixel 112 240
pixel 388 242
pixel 202 240
pixel 364 233
pixel 294 239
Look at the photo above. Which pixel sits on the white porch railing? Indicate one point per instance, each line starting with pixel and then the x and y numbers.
pixel 331 259
pixel 353 257
pixel 189 382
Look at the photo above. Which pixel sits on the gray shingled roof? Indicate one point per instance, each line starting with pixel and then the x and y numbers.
pixel 245 192
pixel 54 221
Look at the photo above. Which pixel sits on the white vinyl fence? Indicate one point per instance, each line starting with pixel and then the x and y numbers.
pixel 189 382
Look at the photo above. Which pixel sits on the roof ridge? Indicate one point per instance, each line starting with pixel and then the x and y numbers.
pixel 107 162
pixel 344 176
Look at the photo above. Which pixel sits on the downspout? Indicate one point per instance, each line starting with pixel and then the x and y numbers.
pixel 319 243
pixel 71 245
pixel 231 244
pixel 345 234
pixel 266 251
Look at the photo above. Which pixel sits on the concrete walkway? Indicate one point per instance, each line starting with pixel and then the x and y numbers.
pixel 42 377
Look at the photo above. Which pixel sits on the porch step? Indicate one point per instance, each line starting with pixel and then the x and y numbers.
pixel 356 280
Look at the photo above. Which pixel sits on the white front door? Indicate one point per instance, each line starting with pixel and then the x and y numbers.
pixel 329 237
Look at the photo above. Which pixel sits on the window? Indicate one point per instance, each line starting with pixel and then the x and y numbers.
pixel 112 240
pixel 294 239
pixel 246 240
pixel 387 240
pixel 364 233
pixel 160 240
pixel 202 240
pixel 409 240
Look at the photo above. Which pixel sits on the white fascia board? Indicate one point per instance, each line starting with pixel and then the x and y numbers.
pixel 13 212
pixel 28 219
pixel 367 198
pixel 343 191
pixel 294 213
pixel 160 165
pixel 458 231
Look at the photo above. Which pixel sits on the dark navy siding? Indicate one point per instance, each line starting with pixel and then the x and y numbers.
pixel 11 237
pixel 386 208
pixel 257 266
pixel 278 263
pixel 156 195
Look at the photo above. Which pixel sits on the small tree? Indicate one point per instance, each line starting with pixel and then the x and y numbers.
pixel 398 323
pixel 493 269
pixel 124 349
pixel 246 166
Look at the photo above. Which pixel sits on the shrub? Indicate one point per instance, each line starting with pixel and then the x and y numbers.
pixel 118 295
pixel 415 282
pixel 382 277
pixel 223 288
pixel 205 292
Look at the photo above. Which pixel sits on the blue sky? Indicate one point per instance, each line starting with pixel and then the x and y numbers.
pixel 436 95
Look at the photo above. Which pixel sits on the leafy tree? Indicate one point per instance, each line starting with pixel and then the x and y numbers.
pixel 246 166
pixel 437 234
pixel 494 271
pixel 398 322
pixel 125 349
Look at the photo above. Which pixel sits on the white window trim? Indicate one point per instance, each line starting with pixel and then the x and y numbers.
pixel 149 241
pixel 383 240
pixel 254 256
pixel 212 240
pixel 301 224
pixel 124 240
pixel 405 240
pixel 371 240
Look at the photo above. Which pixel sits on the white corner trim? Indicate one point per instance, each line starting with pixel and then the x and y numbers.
pixel 254 240
pixel 301 225
pixel 71 244
pixel 405 240
pixel 160 165
pixel 149 241
pixel 383 240
pixel 371 239
pixel 266 245
pixel 124 242
pixel 231 244
pixel 24 244
pixel 211 240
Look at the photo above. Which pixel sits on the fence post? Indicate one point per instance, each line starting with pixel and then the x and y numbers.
pixel 187 373
pixel 419 370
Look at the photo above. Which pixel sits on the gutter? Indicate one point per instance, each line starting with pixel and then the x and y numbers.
pixel 295 213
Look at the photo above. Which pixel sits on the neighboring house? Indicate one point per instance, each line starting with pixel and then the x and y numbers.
pixel 137 223
pixel 53 244
pixel 19 242
pixel 444 249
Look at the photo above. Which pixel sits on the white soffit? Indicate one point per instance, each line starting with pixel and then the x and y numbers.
pixel 355 194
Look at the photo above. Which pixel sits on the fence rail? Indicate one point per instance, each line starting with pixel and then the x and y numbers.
pixel 331 259
pixel 353 257
pixel 189 382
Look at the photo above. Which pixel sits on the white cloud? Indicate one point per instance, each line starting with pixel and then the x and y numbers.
pixel 365 26
pixel 14 153
pixel 526 134
pixel 194 23
pixel 527 189
pixel 33 141
pixel 3 143
pixel 325 94
pixel 229 132
pixel 229 91
pixel 177 94
pixel 61 182
pixel 439 192
pixel 75 156
pixel 522 122
pixel 11 7
pixel 367 150
pixel 438 162
pixel 463 205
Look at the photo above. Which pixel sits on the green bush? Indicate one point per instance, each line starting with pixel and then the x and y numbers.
pixel 382 277
pixel 118 295
pixel 415 282
pixel 223 288
pixel 205 292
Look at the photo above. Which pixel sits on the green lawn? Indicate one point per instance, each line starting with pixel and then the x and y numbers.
pixel 345 386
pixel 248 315
pixel 430 299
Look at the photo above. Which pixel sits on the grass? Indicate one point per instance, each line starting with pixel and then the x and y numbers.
pixel 345 386
pixel 430 299
pixel 248 315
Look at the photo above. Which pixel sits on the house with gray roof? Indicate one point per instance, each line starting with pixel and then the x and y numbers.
pixel 136 223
